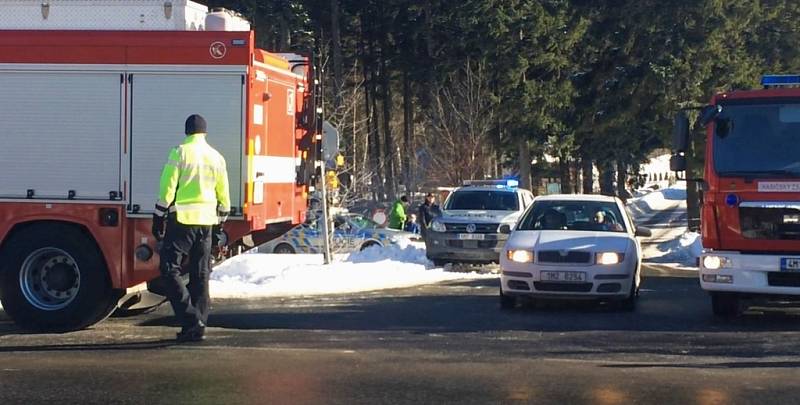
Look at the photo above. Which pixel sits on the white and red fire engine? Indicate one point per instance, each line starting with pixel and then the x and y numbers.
pixel 93 94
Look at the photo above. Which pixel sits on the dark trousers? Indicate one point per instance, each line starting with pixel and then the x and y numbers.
pixel 190 304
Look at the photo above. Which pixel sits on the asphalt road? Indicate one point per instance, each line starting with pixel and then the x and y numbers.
pixel 446 343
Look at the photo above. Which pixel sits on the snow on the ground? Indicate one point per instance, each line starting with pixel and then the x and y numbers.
pixel 648 204
pixel 671 245
pixel 682 251
pixel 375 268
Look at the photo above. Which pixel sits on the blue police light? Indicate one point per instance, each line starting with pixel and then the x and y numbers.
pixel 780 80
pixel 732 200
pixel 512 183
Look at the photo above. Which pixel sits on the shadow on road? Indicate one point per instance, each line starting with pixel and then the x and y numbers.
pixel 667 304
pixel 157 344
pixel 725 365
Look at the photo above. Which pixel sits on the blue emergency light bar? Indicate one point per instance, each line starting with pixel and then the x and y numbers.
pixel 780 80
pixel 510 183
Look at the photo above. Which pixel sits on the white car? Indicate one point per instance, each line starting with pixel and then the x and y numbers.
pixel 573 247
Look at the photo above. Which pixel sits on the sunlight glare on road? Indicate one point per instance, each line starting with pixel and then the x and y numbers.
pixel 711 396
pixel 608 396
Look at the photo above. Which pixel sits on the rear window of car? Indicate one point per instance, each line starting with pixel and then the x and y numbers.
pixel 489 200
pixel 597 216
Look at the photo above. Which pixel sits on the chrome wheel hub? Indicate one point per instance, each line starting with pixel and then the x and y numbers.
pixel 49 279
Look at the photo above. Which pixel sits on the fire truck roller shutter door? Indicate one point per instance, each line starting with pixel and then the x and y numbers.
pixel 161 103
pixel 77 114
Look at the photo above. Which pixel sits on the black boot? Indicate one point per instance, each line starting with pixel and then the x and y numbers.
pixel 194 333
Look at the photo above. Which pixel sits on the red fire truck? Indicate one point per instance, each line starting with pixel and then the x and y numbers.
pixel 87 118
pixel 750 214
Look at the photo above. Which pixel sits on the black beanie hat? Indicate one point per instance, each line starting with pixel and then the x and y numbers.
pixel 195 124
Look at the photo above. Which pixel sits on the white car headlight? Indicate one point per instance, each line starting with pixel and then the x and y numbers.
pixel 437 226
pixel 712 262
pixel 607 258
pixel 520 256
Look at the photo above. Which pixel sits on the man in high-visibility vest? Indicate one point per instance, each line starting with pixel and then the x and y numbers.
pixel 193 197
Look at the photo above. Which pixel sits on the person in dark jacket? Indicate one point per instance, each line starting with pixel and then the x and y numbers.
pixel 427 212
pixel 412 224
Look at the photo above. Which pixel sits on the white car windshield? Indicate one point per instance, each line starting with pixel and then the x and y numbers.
pixel 353 222
pixel 483 200
pixel 598 216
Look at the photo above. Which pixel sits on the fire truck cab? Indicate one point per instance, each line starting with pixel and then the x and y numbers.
pixel 750 214
pixel 94 95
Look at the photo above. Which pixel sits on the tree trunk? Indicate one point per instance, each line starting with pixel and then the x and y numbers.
pixel 498 152
pixel 284 36
pixel 377 150
pixel 622 180
pixel 524 163
pixel 389 145
pixel 566 178
pixel 587 169
pixel 606 178
pixel 408 133
pixel 694 169
pixel 370 104
pixel 575 172
pixel 337 54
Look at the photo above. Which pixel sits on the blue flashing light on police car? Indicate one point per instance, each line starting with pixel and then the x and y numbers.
pixel 501 183
pixel 780 80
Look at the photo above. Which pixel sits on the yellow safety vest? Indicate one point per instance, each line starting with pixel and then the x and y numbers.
pixel 194 183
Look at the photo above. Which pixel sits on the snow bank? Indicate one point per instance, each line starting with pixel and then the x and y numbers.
pixel 375 268
pixel 402 252
pixel 683 251
pixel 659 200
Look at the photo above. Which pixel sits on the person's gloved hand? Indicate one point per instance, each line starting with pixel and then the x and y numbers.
pixel 222 214
pixel 218 236
pixel 159 227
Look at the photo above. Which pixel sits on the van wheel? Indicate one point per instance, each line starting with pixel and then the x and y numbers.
pixel 53 279
pixel 725 305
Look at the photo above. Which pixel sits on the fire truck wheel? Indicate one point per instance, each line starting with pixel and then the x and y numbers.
pixel 52 278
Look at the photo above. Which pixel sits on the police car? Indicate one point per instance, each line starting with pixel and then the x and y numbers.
pixel 351 232
pixel 475 222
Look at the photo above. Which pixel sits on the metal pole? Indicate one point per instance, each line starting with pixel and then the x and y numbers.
pixel 326 239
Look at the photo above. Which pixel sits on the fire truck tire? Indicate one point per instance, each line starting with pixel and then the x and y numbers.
pixel 725 305
pixel 53 279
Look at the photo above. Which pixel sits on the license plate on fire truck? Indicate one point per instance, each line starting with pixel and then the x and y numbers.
pixel 790 264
